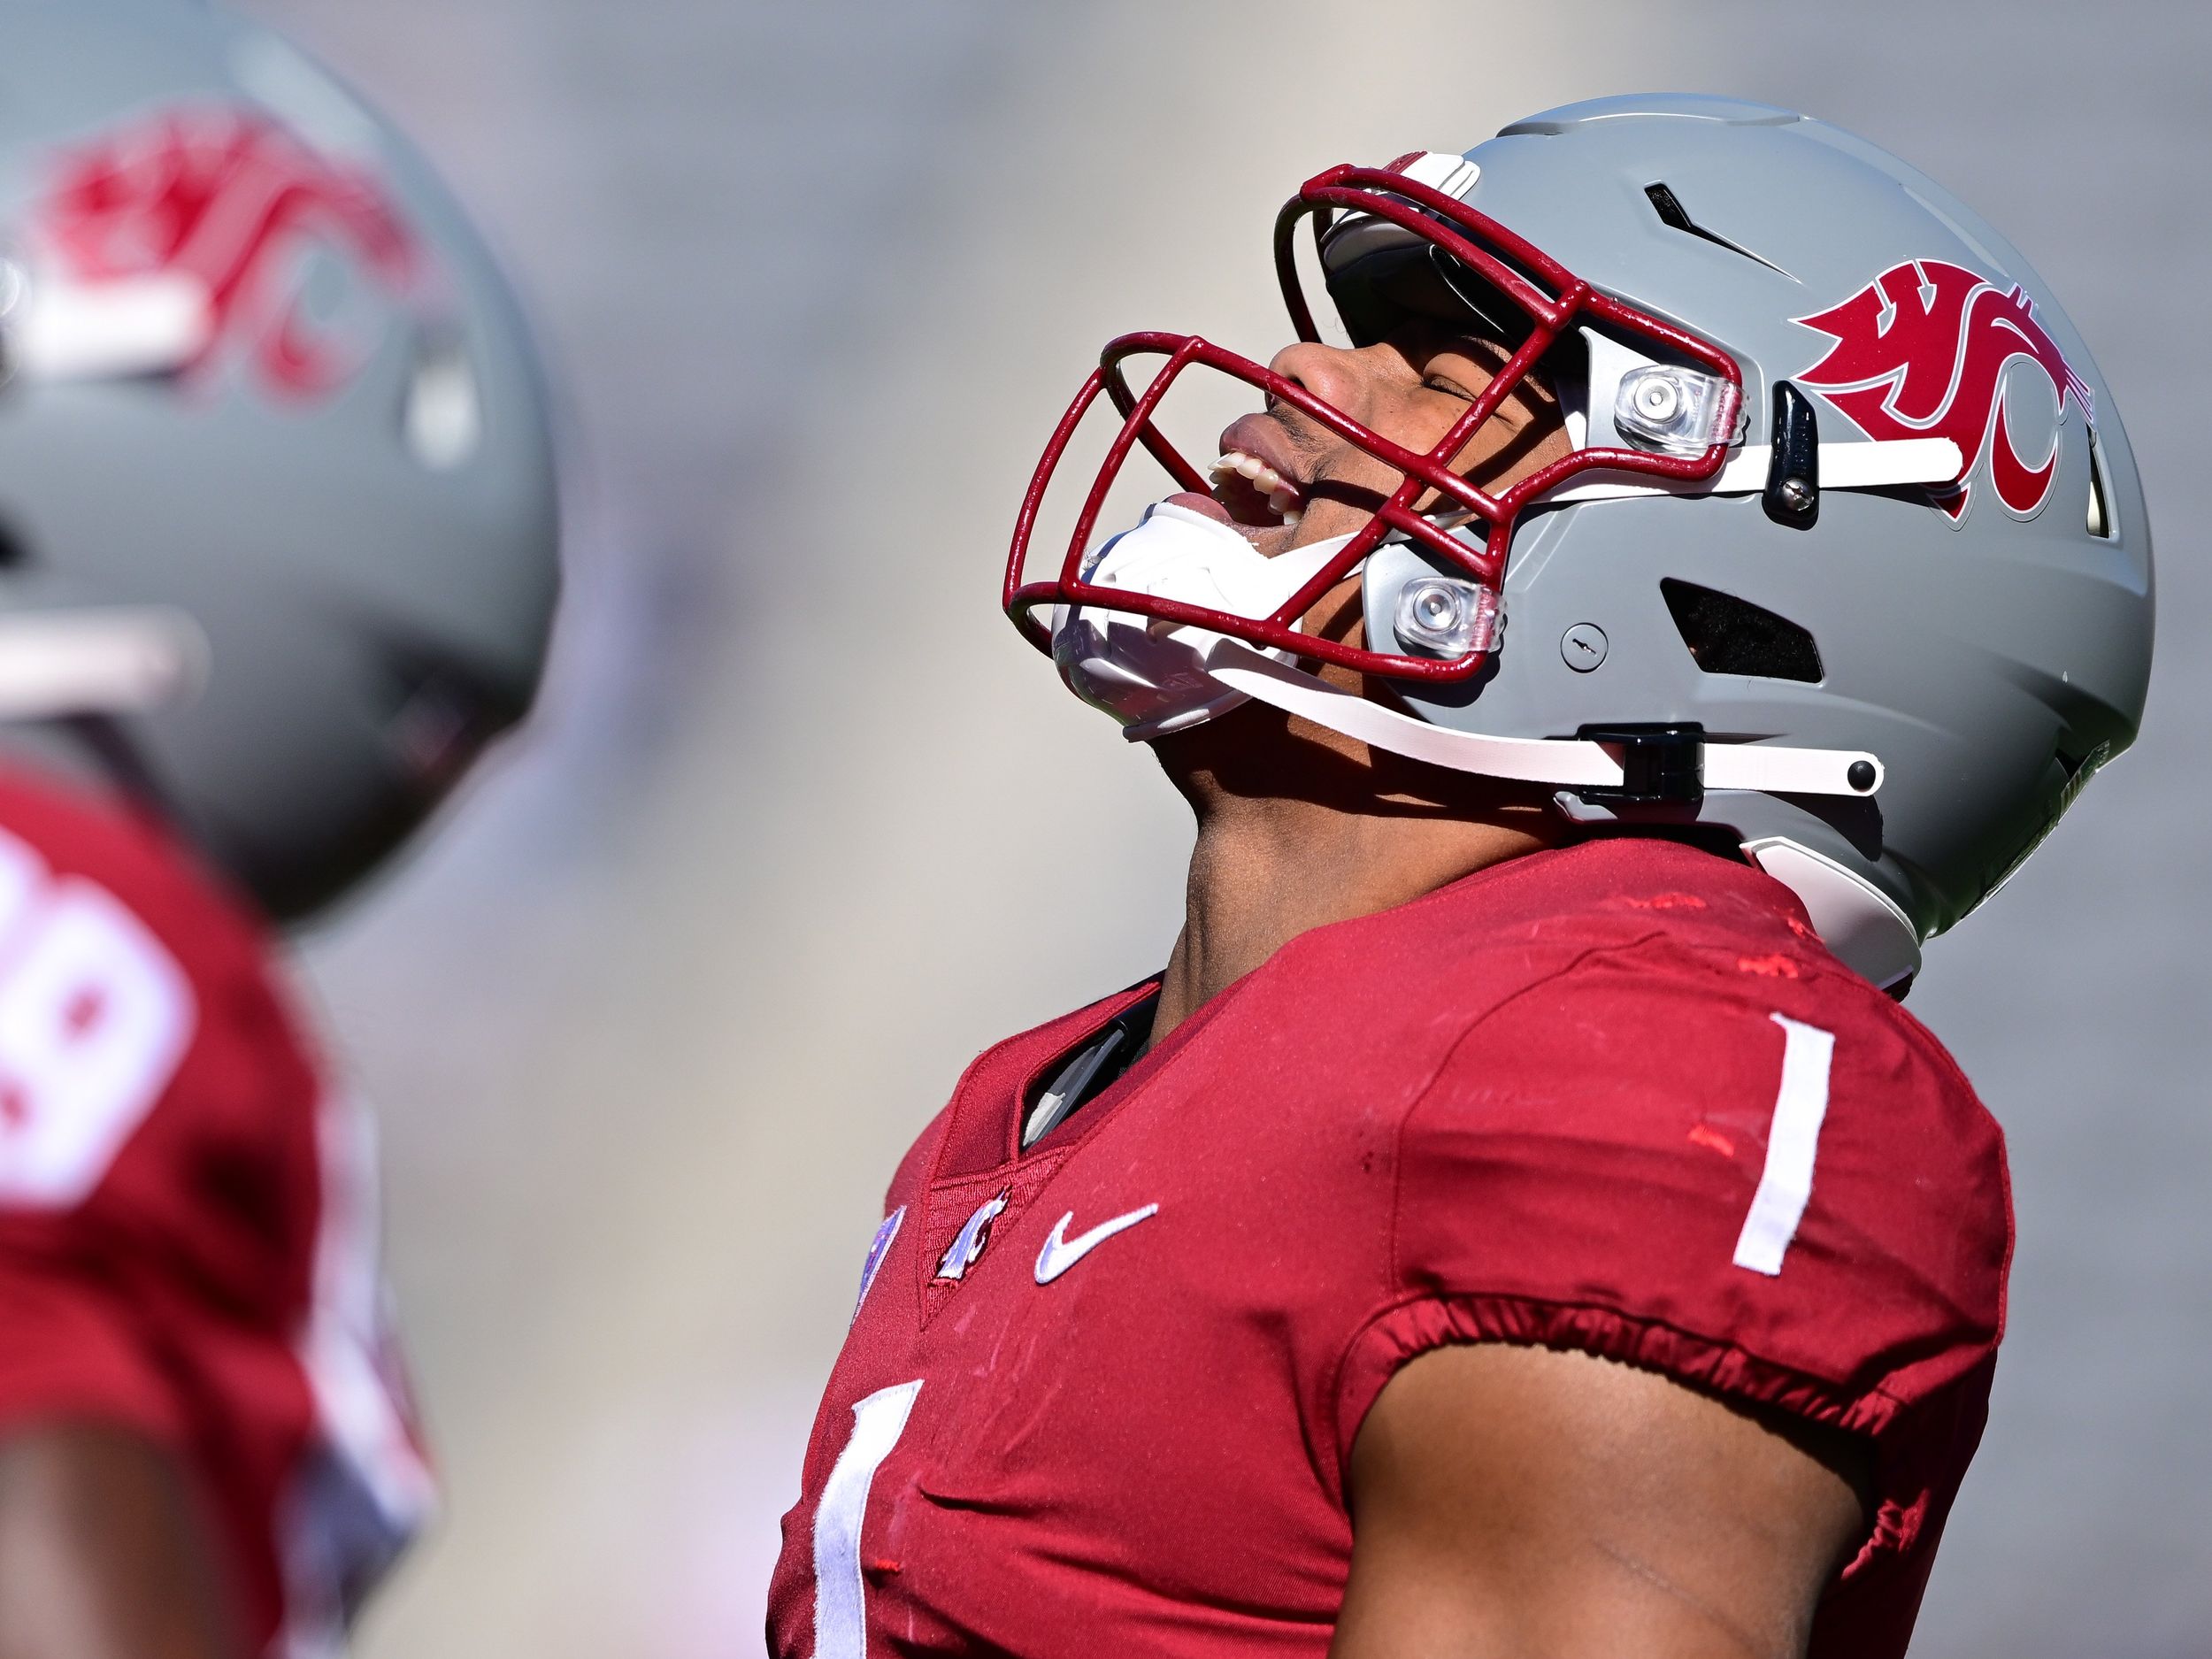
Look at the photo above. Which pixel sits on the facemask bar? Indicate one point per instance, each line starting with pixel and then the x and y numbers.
pixel 1449 225
pixel 1279 630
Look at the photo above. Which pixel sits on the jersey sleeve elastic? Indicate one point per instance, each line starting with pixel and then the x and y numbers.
pixel 1754 1174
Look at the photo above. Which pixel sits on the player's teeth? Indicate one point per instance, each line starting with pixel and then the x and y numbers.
pixel 1281 495
pixel 1292 516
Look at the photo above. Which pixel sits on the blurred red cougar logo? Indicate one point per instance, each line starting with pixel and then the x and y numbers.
pixel 233 198
pixel 1921 352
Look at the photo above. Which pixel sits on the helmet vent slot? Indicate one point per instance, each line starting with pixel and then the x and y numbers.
pixel 1674 215
pixel 2100 514
pixel 1728 636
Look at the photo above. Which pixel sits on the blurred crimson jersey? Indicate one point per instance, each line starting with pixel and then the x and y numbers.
pixel 1098 1397
pixel 187 1215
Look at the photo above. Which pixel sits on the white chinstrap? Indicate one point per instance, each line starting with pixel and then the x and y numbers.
pixel 1152 677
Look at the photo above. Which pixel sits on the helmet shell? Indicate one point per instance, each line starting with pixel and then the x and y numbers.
pixel 350 487
pixel 1992 658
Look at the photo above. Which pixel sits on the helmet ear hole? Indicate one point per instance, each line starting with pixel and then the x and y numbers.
pixel 1728 636
pixel 14 554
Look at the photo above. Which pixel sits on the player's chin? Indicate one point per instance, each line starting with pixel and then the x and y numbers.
pixel 1333 510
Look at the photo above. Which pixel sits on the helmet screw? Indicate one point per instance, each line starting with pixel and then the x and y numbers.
pixel 1797 494
pixel 1445 616
pixel 1583 646
pixel 1860 775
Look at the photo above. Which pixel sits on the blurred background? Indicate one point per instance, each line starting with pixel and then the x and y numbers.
pixel 803 825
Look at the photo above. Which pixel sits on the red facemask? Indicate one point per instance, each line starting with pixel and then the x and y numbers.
pixel 1550 296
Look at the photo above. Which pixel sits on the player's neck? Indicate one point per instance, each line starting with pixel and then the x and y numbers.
pixel 1266 870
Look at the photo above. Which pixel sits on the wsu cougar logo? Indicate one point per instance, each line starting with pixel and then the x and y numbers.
pixel 1921 352
pixel 233 199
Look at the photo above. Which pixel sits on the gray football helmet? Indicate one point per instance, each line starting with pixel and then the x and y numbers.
pixel 278 518
pixel 1850 562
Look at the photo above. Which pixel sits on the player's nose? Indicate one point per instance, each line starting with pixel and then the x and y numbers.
pixel 1335 374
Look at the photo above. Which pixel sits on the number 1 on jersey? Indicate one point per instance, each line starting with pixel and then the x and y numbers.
pixel 1786 1185
pixel 841 1606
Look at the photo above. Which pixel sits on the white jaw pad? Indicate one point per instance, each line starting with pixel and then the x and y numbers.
pixel 1570 763
pixel 1880 463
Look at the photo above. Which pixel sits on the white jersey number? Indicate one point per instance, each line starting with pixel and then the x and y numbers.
pixel 1786 1185
pixel 95 1016
pixel 841 1597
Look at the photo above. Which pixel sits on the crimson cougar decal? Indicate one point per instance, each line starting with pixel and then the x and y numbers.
pixel 1921 352
pixel 233 198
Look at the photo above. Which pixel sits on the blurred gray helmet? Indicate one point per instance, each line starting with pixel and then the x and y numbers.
pixel 1850 562
pixel 278 520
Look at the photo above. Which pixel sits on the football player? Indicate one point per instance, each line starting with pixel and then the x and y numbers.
pixel 1520 1218
pixel 277 540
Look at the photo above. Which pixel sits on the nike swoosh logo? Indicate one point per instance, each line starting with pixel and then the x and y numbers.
pixel 1059 1252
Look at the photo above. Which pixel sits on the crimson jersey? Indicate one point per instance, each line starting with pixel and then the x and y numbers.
pixel 1099 1397
pixel 187 1215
